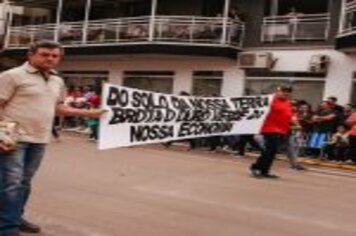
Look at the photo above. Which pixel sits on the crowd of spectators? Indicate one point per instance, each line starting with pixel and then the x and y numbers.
pixel 85 97
pixel 325 132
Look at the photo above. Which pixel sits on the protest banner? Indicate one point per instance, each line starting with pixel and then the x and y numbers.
pixel 141 117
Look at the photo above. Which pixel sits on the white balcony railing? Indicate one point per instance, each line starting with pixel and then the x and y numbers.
pixel 187 30
pixel 348 25
pixel 296 28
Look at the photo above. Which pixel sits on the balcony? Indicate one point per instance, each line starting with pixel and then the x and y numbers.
pixel 345 40
pixel 293 29
pixel 158 30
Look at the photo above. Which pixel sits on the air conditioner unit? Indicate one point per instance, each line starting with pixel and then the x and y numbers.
pixel 319 63
pixel 256 60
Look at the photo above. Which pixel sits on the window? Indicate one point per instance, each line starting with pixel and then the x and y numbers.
pixel 310 91
pixel 85 78
pixel 156 81
pixel 283 7
pixel 207 83
pixel 353 98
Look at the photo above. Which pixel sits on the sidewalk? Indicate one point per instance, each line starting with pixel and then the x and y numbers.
pixel 328 164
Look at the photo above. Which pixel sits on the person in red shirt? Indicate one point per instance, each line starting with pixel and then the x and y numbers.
pixel 351 122
pixel 94 99
pixel 274 130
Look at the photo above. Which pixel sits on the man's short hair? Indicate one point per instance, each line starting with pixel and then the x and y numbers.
pixel 285 88
pixel 327 102
pixel 184 93
pixel 44 44
pixel 332 98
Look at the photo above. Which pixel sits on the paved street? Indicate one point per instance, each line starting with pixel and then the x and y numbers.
pixel 152 191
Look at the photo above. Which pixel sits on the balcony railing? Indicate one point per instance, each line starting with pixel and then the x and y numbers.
pixel 182 30
pixel 348 25
pixel 311 27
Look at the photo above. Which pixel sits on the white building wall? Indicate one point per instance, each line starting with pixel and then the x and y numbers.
pixel 234 82
pixel 338 81
pixel 182 66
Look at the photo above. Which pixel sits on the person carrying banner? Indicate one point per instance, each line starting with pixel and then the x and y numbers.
pixel 274 131
pixel 30 95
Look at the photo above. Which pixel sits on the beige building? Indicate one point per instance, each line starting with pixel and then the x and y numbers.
pixel 205 47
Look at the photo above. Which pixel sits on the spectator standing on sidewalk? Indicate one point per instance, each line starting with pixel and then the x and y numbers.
pixel 351 122
pixel 338 145
pixel 274 131
pixel 334 105
pixel 30 95
pixel 294 141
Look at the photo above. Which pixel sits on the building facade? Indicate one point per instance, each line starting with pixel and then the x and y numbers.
pixel 205 47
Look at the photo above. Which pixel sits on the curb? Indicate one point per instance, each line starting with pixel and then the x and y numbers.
pixel 329 165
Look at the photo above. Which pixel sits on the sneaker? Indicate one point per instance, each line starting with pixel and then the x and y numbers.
pixel 255 173
pixel 28 227
pixel 350 162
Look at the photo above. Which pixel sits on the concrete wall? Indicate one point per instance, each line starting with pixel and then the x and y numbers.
pixel 338 81
pixel 183 67
pixel 254 11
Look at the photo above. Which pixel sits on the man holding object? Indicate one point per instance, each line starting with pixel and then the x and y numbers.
pixel 30 95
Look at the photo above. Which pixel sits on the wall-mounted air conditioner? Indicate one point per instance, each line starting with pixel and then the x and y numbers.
pixel 256 60
pixel 319 63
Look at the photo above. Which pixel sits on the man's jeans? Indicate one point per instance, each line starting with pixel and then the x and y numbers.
pixel 16 171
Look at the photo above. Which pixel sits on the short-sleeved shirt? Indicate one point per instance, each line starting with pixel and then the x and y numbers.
pixel 31 100
pixel 279 118
pixel 352 118
pixel 327 126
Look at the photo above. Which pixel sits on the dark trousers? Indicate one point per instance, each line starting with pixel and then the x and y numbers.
pixel 213 142
pixel 271 143
pixel 247 139
pixel 56 123
pixel 94 130
pixel 352 149
pixel 335 153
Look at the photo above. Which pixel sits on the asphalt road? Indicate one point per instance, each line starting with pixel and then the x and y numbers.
pixel 152 191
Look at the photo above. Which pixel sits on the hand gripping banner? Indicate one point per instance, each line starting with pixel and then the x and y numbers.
pixel 141 117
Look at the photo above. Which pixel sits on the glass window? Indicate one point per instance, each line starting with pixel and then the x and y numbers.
pixel 207 83
pixel 156 81
pixel 310 91
pixel 85 78
pixel 353 98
